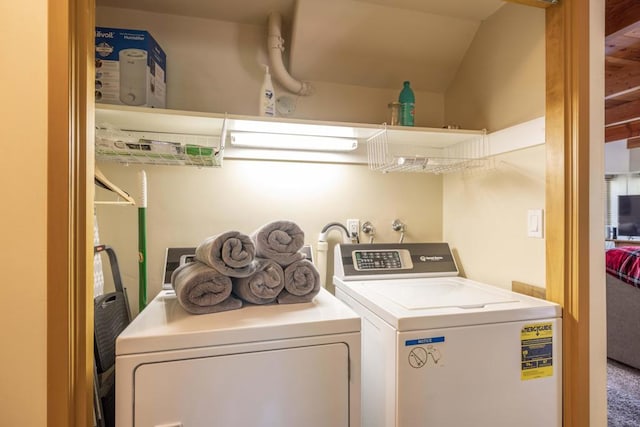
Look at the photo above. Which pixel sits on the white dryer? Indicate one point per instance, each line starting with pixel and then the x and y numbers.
pixel 442 350
pixel 275 365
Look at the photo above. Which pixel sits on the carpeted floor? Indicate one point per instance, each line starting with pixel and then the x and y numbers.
pixel 623 395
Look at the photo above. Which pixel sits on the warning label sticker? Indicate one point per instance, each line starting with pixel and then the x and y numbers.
pixel 425 352
pixel 537 351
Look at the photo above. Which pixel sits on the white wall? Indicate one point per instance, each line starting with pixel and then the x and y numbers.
pixel 23 307
pixel 500 83
pixel 616 157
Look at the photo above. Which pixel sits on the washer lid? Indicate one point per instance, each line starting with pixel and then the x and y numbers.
pixel 414 304
pixel 164 325
pixel 438 293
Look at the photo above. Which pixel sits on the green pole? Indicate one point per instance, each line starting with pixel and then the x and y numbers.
pixel 142 243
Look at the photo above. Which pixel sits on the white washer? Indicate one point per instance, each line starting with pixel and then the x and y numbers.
pixel 441 350
pixel 272 365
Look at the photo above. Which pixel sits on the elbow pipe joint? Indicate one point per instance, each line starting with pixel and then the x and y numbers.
pixel 275 45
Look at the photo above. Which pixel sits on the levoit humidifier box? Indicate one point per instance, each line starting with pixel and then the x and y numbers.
pixel 130 68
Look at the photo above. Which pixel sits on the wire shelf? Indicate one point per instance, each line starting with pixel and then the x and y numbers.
pixel 137 147
pixel 469 153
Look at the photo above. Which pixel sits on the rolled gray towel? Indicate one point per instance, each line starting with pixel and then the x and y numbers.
pixel 280 241
pixel 200 289
pixel 230 253
pixel 263 286
pixel 301 283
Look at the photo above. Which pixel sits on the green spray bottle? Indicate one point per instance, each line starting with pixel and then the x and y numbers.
pixel 407 105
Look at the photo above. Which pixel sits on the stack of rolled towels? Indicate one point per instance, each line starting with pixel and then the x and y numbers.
pixel 233 268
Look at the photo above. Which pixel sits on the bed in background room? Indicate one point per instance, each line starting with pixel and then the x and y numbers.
pixel 623 304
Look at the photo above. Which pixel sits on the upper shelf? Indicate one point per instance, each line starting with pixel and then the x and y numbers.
pixel 415 141
pixel 210 124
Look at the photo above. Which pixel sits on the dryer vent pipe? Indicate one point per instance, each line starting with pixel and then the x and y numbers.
pixel 275 47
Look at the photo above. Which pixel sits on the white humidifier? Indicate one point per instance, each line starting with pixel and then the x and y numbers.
pixel 133 76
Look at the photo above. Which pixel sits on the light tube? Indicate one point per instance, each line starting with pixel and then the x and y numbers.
pixel 292 142
pixel 293 128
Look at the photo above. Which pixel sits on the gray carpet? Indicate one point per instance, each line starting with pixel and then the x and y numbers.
pixel 623 395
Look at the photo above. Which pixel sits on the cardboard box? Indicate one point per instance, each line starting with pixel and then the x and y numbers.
pixel 130 68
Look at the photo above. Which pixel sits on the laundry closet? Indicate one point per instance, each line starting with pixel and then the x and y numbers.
pixel 214 66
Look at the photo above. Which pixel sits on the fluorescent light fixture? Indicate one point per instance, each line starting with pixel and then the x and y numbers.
pixel 292 142
pixel 293 128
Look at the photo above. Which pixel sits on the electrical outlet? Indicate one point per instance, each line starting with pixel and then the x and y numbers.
pixel 353 225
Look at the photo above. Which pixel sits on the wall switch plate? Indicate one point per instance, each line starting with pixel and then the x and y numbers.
pixel 535 223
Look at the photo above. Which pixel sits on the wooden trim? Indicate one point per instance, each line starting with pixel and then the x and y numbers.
pixel 69 214
pixel 535 3
pixel 526 289
pixel 633 142
pixel 567 195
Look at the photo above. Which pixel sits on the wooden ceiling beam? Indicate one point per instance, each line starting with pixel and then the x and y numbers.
pixel 621 16
pixel 622 69
pixel 622 113
pixel 624 79
pixel 622 131
pixel 633 142
pixel 622 47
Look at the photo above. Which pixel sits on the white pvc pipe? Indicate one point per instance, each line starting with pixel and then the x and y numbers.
pixel 321 261
pixel 323 249
pixel 275 47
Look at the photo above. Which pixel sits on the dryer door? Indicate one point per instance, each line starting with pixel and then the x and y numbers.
pixel 284 387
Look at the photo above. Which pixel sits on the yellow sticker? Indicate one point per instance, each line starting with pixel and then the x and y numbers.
pixel 537 351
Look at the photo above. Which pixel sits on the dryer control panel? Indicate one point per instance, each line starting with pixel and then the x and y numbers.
pixel 393 260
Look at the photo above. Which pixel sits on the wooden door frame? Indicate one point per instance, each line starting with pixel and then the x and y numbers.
pixel 567 195
pixel 567 116
pixel 70 204
pixel 70 213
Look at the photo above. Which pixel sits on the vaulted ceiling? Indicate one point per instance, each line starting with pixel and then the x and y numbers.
pixel 371 43
pixel 622 71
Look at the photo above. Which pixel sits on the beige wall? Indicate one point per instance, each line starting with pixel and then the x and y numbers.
pixel 499 84
pixel 214 66
pixel 485 219
pixel 501 80
pixel 187 204
pixel 23 170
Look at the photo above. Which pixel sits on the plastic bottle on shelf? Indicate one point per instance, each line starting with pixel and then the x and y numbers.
pixel 407 105
pixel 267 105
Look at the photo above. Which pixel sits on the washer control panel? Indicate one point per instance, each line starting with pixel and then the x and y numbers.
pixel 393 260
pixel 390 259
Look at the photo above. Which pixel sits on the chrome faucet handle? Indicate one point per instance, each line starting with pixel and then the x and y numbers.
pixel 367 228
pixel 399 226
